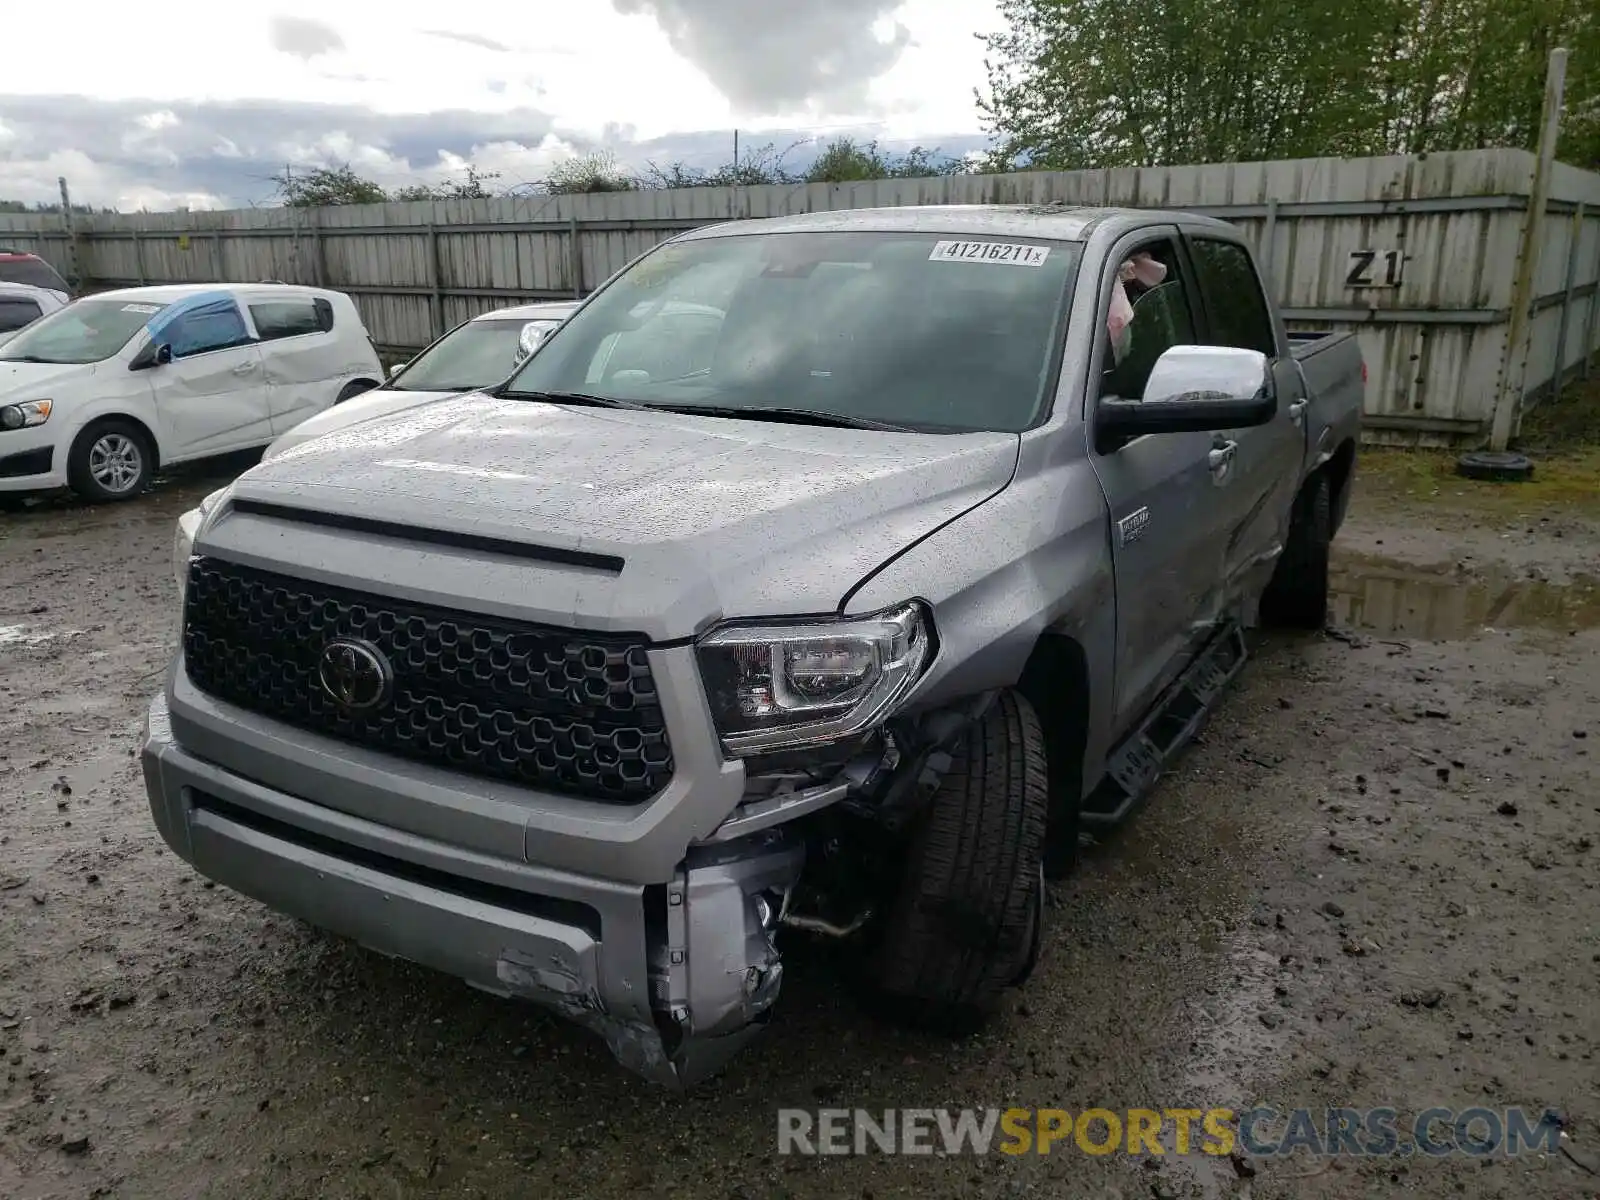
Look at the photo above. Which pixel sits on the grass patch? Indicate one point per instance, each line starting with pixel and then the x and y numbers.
pixel 1562 439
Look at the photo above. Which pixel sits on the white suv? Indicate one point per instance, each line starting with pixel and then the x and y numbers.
pixel 99 394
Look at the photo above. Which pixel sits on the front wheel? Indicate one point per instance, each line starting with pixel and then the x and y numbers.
pixel 968 921
pixel 110 461
pixel 354 388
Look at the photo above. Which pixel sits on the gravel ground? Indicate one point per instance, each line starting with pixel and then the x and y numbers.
pixel 1373 882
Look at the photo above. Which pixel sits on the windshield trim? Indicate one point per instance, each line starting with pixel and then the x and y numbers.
pixel 1049 392
pixel 392 384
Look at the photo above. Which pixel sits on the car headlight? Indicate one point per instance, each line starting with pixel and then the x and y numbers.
pixel 25 415
pixel 183 538
pixel 779 686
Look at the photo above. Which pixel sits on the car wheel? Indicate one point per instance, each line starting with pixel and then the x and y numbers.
pixel 109 461
pixel 1297 595
pixel 968 920
pixel 354 388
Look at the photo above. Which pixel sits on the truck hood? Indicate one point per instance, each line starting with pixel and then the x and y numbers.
pixel 380 402
pixel 23 380
pixel 712 518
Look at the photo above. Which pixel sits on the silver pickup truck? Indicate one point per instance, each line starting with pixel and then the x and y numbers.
pixel 821 576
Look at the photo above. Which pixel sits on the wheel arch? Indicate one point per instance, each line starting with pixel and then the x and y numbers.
pixel 151 441
pixel 1341 468
pixel 1056 681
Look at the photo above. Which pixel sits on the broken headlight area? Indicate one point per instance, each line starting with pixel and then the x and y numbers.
pixel 792 684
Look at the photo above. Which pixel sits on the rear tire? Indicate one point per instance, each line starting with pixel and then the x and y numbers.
pixel 968 921
pixel 110 461
pixel 354 388
pixel 1297 596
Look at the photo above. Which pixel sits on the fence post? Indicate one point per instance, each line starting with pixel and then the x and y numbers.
pixel 435 280
pixel 1566 302
pixel 575 257
pixel 1519 332
pixel 1589 348
pixel 73 267
pixel 138 255
pixel 1267 233
pixel 218 274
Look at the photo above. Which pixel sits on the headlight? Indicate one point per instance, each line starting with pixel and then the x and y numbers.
pixel 183 538
pixel 773 687
pixel 25 416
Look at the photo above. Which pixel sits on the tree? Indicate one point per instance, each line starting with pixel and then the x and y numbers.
pixel 597 172
pixel 324 187
pixel 1104 83
pixel 471 188
pixel 845 161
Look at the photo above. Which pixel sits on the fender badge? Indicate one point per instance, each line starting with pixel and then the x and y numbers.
pixel 1131 527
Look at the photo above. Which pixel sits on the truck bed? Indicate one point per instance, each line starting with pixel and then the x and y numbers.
pixel 1336 379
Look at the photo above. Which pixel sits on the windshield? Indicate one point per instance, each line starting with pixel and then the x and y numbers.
pixel 85 331
pixel 478 354
pixel 918 330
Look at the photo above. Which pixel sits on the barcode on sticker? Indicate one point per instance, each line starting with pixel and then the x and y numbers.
pixel 142 308
pixel 1013 254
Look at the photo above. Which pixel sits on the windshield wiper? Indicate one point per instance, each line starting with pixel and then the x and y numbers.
pixel 573 398
pixel 29 358
pixel 796 416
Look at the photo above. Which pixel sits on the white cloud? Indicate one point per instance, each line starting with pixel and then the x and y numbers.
pixel 192 105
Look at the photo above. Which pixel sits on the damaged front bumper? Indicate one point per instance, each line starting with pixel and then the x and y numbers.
pixel 676 977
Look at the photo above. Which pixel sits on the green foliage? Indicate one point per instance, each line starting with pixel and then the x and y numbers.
pixel 473 187
pixel 588 173
pixel 1101 83
pixel 327 186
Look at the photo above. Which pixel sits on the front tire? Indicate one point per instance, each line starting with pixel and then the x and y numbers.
pixel 967 923
pixel 110 461
pixel 1297 595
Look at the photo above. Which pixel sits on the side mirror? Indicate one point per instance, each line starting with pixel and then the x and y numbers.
pixel 153 355
pixel 396 368
pixel 1193 389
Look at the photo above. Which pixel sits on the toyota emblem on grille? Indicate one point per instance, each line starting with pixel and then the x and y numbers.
pixel 354 674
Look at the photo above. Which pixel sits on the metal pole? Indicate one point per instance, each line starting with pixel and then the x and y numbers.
pixel 1519 332
pixel 73 270
pixel 1566 302
pixel 1589 347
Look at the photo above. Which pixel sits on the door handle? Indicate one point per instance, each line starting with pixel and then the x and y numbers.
pixel 244 368
pixel 1220 455
pixel 1297 411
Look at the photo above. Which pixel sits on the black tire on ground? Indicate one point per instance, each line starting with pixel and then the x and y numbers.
pixel 1495 468
pixel 1297 595
pixel 966 924
pixel 110 460
pixel 354 388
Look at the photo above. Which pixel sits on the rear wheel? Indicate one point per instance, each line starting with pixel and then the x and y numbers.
pixel 109 461
pixel 1297 596
pixel 968 921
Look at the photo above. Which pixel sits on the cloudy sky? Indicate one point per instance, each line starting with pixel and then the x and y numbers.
pixel 199 104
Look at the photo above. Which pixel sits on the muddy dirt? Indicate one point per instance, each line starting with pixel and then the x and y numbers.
pixel 1374 882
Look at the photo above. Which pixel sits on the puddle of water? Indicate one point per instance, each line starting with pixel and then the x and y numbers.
pixel 21 635
pixel 1394 598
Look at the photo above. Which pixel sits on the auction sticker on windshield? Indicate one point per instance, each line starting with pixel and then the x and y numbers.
pixel 141 308
pixel 1012 254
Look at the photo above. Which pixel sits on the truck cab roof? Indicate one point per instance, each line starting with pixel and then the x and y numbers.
pixel 1058 222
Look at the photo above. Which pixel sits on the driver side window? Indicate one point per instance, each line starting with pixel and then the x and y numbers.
pixel 214 327
pixel 1151 316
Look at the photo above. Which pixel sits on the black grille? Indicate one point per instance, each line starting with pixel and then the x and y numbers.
pixel 568 712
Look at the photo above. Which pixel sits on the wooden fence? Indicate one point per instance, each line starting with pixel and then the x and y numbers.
pixel 1417 254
